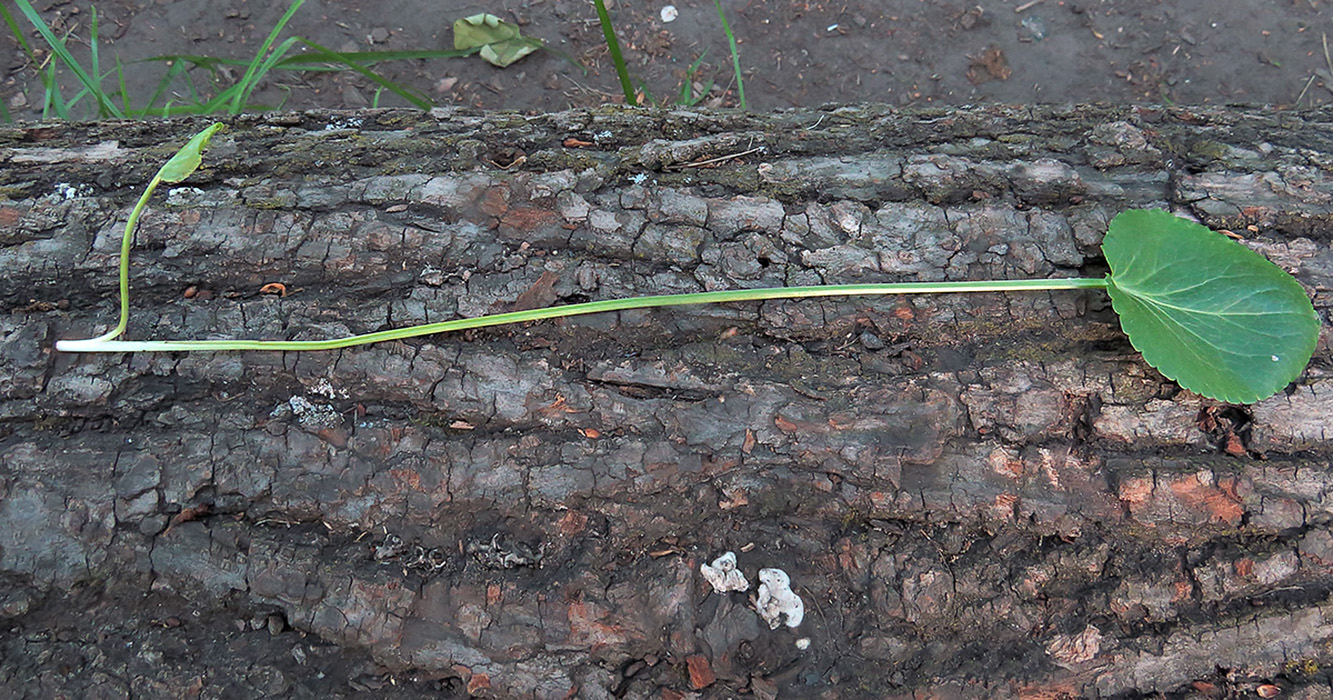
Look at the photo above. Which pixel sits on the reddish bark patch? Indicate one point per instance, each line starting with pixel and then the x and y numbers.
pixel 407 478
pixel 573 523
pixel 478 682
pixel 524 219
pixel 586 627
pixel 1222 504
pixel 701 672
pixel 495 202
pixel 540 294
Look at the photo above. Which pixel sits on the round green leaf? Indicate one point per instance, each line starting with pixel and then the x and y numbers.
pixel 1206 311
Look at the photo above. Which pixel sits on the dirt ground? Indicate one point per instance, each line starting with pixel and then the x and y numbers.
pixel 793 53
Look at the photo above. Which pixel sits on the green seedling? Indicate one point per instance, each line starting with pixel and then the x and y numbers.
pixel 691 95
pixel 692 89
pixel 1204 310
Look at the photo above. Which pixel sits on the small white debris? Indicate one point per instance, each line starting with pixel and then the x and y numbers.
pixel 343 123
pixel 67 191
pixel 832 28
pixel 183 196
pixel 324 388
pixel 1073 649
pixel 723 574
pixel 777 600
pixel 638 178
pixel 803 643
pixel 1276 358
pixel 669 13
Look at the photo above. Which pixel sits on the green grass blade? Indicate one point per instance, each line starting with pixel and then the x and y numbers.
pixel 220 101
pixel 124 91
pixel 173 71
pixel 207 62
pixel 94 57
pixel 735 53
pixel 52 101
pixel 18 33
pixel 105 105
pixel 407 94
pixel 334 60
pixel 253 73
pixel 84 92
pixel 613 45
pixel 282 50
pixel 239 93
pixel 318 62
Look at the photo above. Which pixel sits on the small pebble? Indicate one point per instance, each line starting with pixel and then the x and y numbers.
pixel 803 643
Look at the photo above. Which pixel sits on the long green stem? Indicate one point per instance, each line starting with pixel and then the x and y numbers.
pixel 104 344
pixel 188 158
pixel 126 240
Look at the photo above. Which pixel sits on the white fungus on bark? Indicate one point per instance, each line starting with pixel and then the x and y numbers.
pixel 723 575
pixel 777 603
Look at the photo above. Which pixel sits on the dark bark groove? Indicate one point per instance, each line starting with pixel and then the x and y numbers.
pixel 982 496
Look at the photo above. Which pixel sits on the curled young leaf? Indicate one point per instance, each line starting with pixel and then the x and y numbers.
pixel 188 158
pixel 1218 318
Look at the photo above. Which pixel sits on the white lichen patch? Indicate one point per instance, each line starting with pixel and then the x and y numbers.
pixel 308 414
pixel 66 191
pixel 723 575
pixel 777 603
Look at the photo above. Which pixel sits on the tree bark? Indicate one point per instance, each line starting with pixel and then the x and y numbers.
pixel 975 496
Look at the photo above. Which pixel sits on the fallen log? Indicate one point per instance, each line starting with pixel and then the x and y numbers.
pixel 974 496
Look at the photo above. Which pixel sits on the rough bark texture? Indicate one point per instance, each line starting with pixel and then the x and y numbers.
pixel 980 496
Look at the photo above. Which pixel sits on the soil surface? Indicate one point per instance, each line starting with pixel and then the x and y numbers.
pixel 793 52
